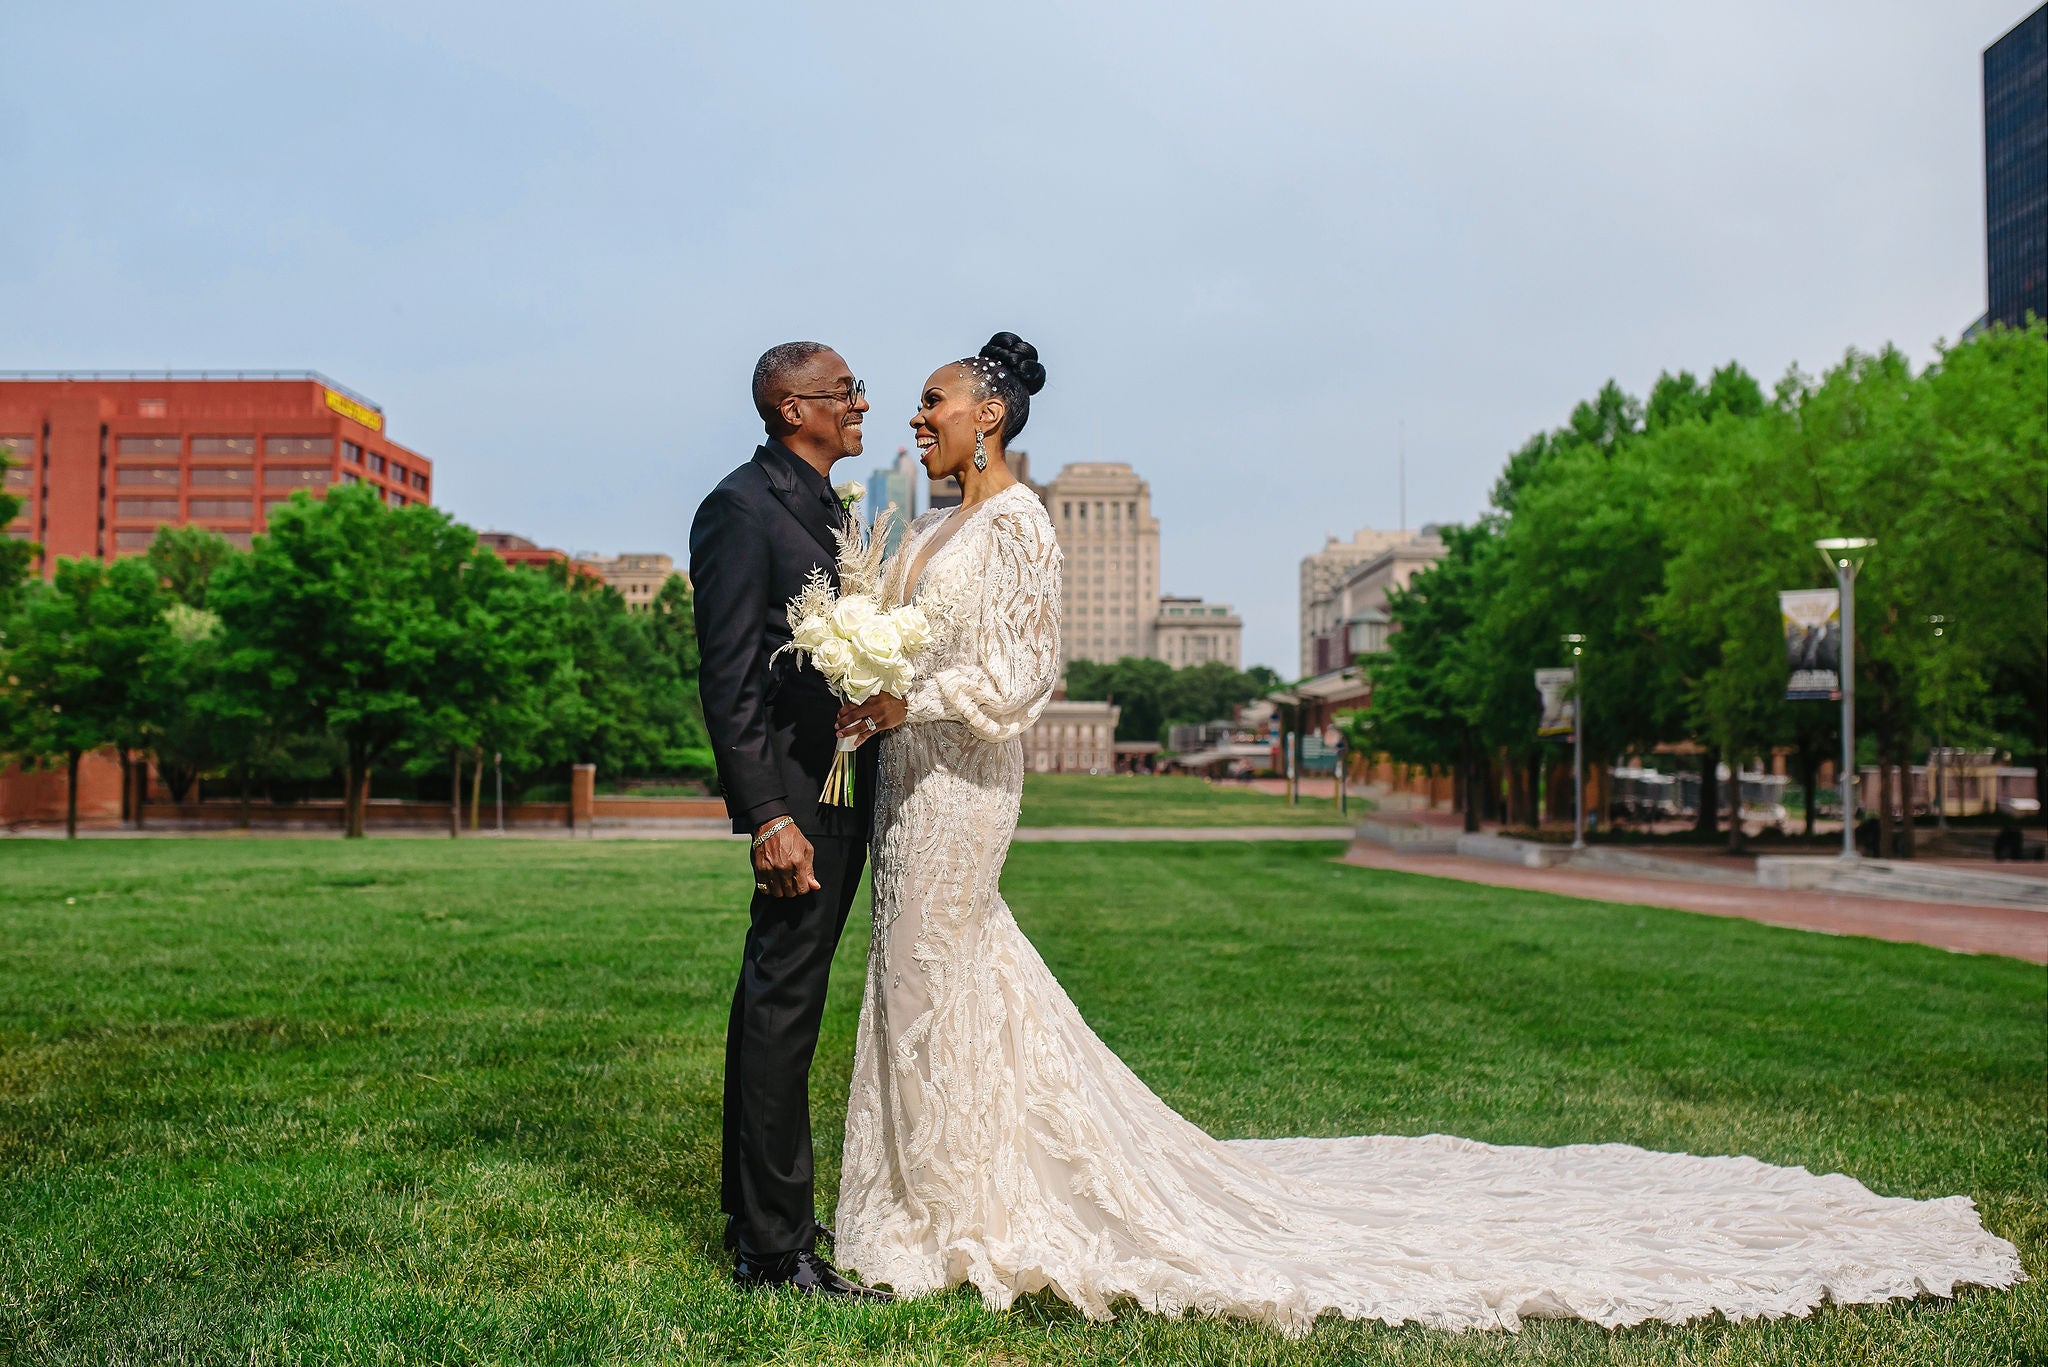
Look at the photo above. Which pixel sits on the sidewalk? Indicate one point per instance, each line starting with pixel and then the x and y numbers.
pixel 2012 932
pixel 685 828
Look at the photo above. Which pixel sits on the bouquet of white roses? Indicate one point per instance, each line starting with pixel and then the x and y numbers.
pixel 860 647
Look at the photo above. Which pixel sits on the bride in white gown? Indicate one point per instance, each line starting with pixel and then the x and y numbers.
pixel 991 1138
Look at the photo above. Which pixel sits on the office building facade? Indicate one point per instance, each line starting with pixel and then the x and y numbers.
pixel 1321 574
pixel 1102 512
pixel 1355 612
pixel 2016 172
pixel 1189 631
pixel 102 460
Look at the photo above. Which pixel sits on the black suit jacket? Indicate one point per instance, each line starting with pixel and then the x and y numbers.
pixel 755 540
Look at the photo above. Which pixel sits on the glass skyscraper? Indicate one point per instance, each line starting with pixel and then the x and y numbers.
pixel 894 485
pixel 2016 171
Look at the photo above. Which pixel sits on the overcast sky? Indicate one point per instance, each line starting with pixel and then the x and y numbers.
pixel 1251 241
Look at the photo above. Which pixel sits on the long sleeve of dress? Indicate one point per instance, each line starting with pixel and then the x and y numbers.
pixel 999 675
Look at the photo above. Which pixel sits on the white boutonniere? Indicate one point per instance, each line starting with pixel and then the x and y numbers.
pixel 849 494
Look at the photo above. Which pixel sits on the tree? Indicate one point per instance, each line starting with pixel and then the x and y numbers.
pixel 1137 686
pixel 671 622
pixel 186 559
pixel 190 736
pixel 488 688
pixel 338 621
pixel 621 703
pixel 1428 692
pixel 79 653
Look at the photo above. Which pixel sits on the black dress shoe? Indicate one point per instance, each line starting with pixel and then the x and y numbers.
pixel 801 1271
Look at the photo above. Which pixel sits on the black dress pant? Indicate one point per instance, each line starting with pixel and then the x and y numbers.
pixel 769 1042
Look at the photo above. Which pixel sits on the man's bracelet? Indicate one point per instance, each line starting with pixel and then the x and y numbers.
pixel 777 824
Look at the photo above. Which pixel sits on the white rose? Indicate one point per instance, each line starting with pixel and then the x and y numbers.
pixel 862 681
pixel 878 639
pixel 913 626
pixel 850 612
pixel 812 632
pixel 850 492
pixel 832 657
pixel 897 678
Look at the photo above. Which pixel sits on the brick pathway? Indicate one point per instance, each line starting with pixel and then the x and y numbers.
pixel 2013 932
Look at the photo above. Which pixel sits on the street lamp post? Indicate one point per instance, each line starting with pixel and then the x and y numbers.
pixel 1578 645
pixel 1940 753
pixel 1836 550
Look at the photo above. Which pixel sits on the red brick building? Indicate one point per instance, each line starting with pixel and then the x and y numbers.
pixel 102 459
pixel 514 549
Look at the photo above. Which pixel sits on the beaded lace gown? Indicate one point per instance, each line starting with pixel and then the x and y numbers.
pixel 991 1138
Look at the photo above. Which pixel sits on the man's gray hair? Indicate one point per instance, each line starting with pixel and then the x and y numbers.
pixel 772 382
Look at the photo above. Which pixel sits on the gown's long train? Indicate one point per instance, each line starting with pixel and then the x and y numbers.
pixel 992 1139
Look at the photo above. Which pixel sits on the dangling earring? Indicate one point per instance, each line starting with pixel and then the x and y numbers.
pixel 980 450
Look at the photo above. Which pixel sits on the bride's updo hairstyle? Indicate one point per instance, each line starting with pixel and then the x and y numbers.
pixel 1008 369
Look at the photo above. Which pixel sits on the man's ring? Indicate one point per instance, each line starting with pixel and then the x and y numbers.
pixel 871 723
pixel 761 887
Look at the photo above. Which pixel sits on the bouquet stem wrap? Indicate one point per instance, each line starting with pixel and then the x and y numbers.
pixel 839 782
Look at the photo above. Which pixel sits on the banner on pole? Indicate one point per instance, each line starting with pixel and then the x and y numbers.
pixel 1560 709
pixel 1812 619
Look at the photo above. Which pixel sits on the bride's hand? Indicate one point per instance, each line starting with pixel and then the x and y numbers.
pixel 871 718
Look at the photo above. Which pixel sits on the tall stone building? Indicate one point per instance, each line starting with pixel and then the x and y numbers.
pixel 1322 573
pixel 1103 514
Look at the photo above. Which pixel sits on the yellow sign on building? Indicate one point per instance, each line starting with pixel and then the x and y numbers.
pixel 355 412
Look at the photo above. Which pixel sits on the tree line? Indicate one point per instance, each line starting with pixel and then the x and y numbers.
pixel 351 638
pixel 1662 531
pixel 1153 696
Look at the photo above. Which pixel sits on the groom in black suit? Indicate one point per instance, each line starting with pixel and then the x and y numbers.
pixel 772 722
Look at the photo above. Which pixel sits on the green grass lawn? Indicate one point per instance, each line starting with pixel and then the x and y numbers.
pixel 1170 800
pixel 407 1101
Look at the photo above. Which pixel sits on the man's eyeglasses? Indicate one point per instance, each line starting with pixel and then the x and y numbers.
pixel 851 395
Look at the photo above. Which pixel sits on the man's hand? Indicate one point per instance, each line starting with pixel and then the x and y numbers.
pixel 878 714
pixel 782 862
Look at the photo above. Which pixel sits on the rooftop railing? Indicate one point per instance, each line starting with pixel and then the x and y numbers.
pixel 90 375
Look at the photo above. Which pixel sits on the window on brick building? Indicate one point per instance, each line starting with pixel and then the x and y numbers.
pixel 145 507
pixel 240 477
pixel 352 453
pixel 376 463
pixel 347 478
pixel 298 446
pixel 419 480
pixel 148 446
pixel 220 507
pixel 301 479
pixel 224 446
